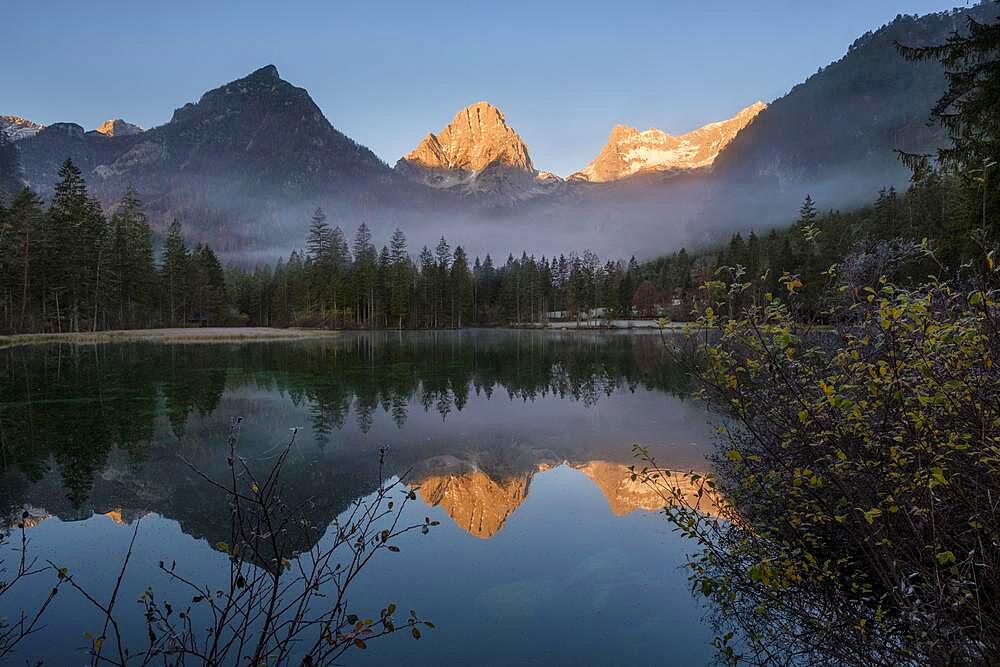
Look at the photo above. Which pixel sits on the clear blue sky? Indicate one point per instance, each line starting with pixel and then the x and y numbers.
pixel 386 73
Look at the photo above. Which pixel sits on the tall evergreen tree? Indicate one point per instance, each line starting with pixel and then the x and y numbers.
pixel 21 259
pixel 807 214
pixel 75 254
pixel 319 254
pixel 318 241
pixel 399 298
pixel 364 274
pixel 174 274
pixel 206 285
pixel 968 108
pixel 132 272
pixel 460 288
pixel 340 260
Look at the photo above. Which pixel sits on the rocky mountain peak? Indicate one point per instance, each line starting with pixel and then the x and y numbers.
pixel 266 72
pixel 476 137
pixel 116 127
pixel 262 88
pixel 17 128
pixel 626 495
pixel 629 152
pixel 477 503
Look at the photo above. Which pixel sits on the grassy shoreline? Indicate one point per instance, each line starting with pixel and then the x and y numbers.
pixel 178 335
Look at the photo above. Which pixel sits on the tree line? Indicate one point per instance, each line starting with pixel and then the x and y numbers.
pixel 334 283
pixel 70 267
pixel 935 227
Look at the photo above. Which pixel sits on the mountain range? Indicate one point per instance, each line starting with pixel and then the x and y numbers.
pixel 244 165
pixel 630 152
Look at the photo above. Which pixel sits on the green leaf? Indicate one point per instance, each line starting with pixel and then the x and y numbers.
pixel 945 558
pixel 872 514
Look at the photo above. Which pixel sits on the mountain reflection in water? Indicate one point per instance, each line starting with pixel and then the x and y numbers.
pixel 98 428
pixel 516 442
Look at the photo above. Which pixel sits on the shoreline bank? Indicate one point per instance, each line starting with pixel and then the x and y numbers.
pixel 264 334
pixel 166 335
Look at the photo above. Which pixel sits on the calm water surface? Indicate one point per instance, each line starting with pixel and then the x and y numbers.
pixel 546 553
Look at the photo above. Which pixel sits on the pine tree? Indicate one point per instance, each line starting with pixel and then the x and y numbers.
pixel 461 287
pixel 319 239
pixel 174 273
pixel 399 298
pixel 340 259
pixel 319 254
pixel 74 252
pixel 207 285
pixel 21 235
pixel 968 108
pixel 807 214
pixel 383 283
pixel 427 280
pixel 364 274
pixel 132 271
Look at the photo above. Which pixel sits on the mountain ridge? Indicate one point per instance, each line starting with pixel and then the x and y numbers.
pixel 16 128
pixel 245 165
pixel 477 155
pixel 629 152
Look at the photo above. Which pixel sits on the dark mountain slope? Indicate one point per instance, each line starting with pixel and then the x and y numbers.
pixel 261 132
pixel 10 169
pixel 835 135
pixel 235 167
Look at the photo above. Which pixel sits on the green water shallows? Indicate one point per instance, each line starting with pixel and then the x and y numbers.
pixel 518 441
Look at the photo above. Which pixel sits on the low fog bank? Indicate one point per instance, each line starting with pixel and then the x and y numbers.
pixel 644 221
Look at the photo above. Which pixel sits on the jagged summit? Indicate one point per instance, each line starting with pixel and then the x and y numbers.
pixel 478 155
pixel 630 152
pixel 116 127
pixel 266 132
pixel 260 84
pixel 17 128
pixel 476 137
pixel 266 72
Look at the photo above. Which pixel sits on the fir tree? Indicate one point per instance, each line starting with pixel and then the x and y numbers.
pixel 460 287
pixel 807 214
pixel 173 274
pixel 132 270
pixel 399 299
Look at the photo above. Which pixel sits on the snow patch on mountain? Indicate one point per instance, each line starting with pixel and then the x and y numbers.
pixel 17 128
pixel 630 152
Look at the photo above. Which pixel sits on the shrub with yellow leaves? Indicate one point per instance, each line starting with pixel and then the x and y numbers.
pixel 860 474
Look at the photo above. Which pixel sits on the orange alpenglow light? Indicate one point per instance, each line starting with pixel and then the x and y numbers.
pixel 630 152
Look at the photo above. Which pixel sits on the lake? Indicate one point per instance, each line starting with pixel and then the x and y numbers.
pixel 516 441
